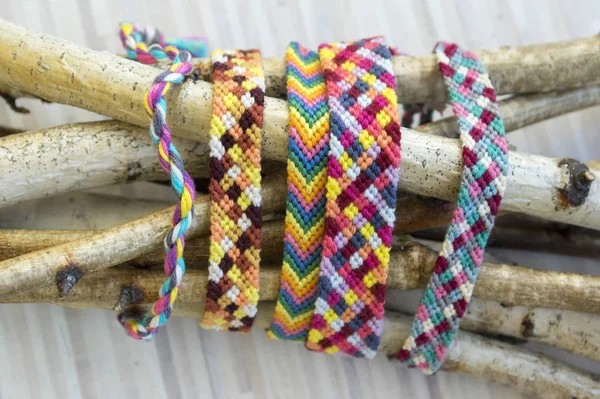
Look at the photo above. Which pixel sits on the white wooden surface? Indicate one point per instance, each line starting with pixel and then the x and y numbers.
pixel 51 352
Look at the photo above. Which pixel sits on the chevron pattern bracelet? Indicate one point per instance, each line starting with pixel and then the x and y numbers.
pixel 308 147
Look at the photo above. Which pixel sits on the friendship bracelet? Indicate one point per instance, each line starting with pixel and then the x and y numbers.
pixel 485 166
pixel 364 159
pixel 181 182
pixel 308 146
pixel 147 45
pixel 235 209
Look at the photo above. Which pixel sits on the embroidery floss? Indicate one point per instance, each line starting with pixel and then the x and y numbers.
pixel 485 166
pixel 308 146
pixel 235 210
pixel 181 182
pixel 361 186
pixel 147 45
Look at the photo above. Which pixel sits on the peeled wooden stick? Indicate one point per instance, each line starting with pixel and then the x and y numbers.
pixel 79 156
pixel 411 264
pixel 524 69
pixel 99 153
pixel 115 245
pixel 527 372
pixel 412 213
pixel 527 109
pixel 104 83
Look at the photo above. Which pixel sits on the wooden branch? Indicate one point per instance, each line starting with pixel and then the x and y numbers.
pixel 60 71
pixel 411 265
pixel 412 213
pixel 524 69
pixel 527 372
pixel 575 332
pixel 79 156
pixel 524 110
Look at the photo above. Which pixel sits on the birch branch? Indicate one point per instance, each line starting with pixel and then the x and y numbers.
pixel 523 69
pixel 59 71
pixel 574 332
pixel 481 357
pixel 80 156
pixel 528 109
pixel 412 213
pixel 410 268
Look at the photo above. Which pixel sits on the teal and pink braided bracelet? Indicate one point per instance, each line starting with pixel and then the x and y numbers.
pixel 485 166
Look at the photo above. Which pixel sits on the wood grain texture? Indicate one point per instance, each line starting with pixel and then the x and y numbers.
pixel 55 352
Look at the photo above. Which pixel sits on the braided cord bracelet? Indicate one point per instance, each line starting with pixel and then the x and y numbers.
pixel 364 159
pixel 181 182
pixel 485 166
pixel 147 45
pixel 235 210
pixel 308 146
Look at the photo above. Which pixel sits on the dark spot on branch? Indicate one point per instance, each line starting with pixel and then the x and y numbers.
pixel 12 103
pixel 129 295
pixel 134 312
pixel 527 327
pixel 67 277
pixel 577 180
pixel 134 171
pixel 195 75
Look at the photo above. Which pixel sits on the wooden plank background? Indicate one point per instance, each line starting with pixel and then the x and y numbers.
pixel 52 352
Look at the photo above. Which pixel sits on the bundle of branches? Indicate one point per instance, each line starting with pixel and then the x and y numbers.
pixel 113 268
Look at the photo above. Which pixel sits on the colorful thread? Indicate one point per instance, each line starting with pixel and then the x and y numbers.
pixel 308 147
pixel 147 45
pixel 363 165
pixel 182 183
pixel 485 166
pixel 235 210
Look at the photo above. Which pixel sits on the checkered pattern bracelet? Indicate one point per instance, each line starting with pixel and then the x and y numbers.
pixel 364 159
pixel 235 210
pixel 485 166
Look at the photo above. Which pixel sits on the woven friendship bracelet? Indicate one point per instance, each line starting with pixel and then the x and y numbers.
pixel 308 147
pixel 147 45
pixel 485 166
pixel 361 197
pixel 181 182
pixel 235 210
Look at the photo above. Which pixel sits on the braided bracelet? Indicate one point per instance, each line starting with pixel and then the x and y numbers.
pixel 235 210
pixel 181 182
pixel 485 166
pixel 147 45
pixel 308 146
pixel 361 197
